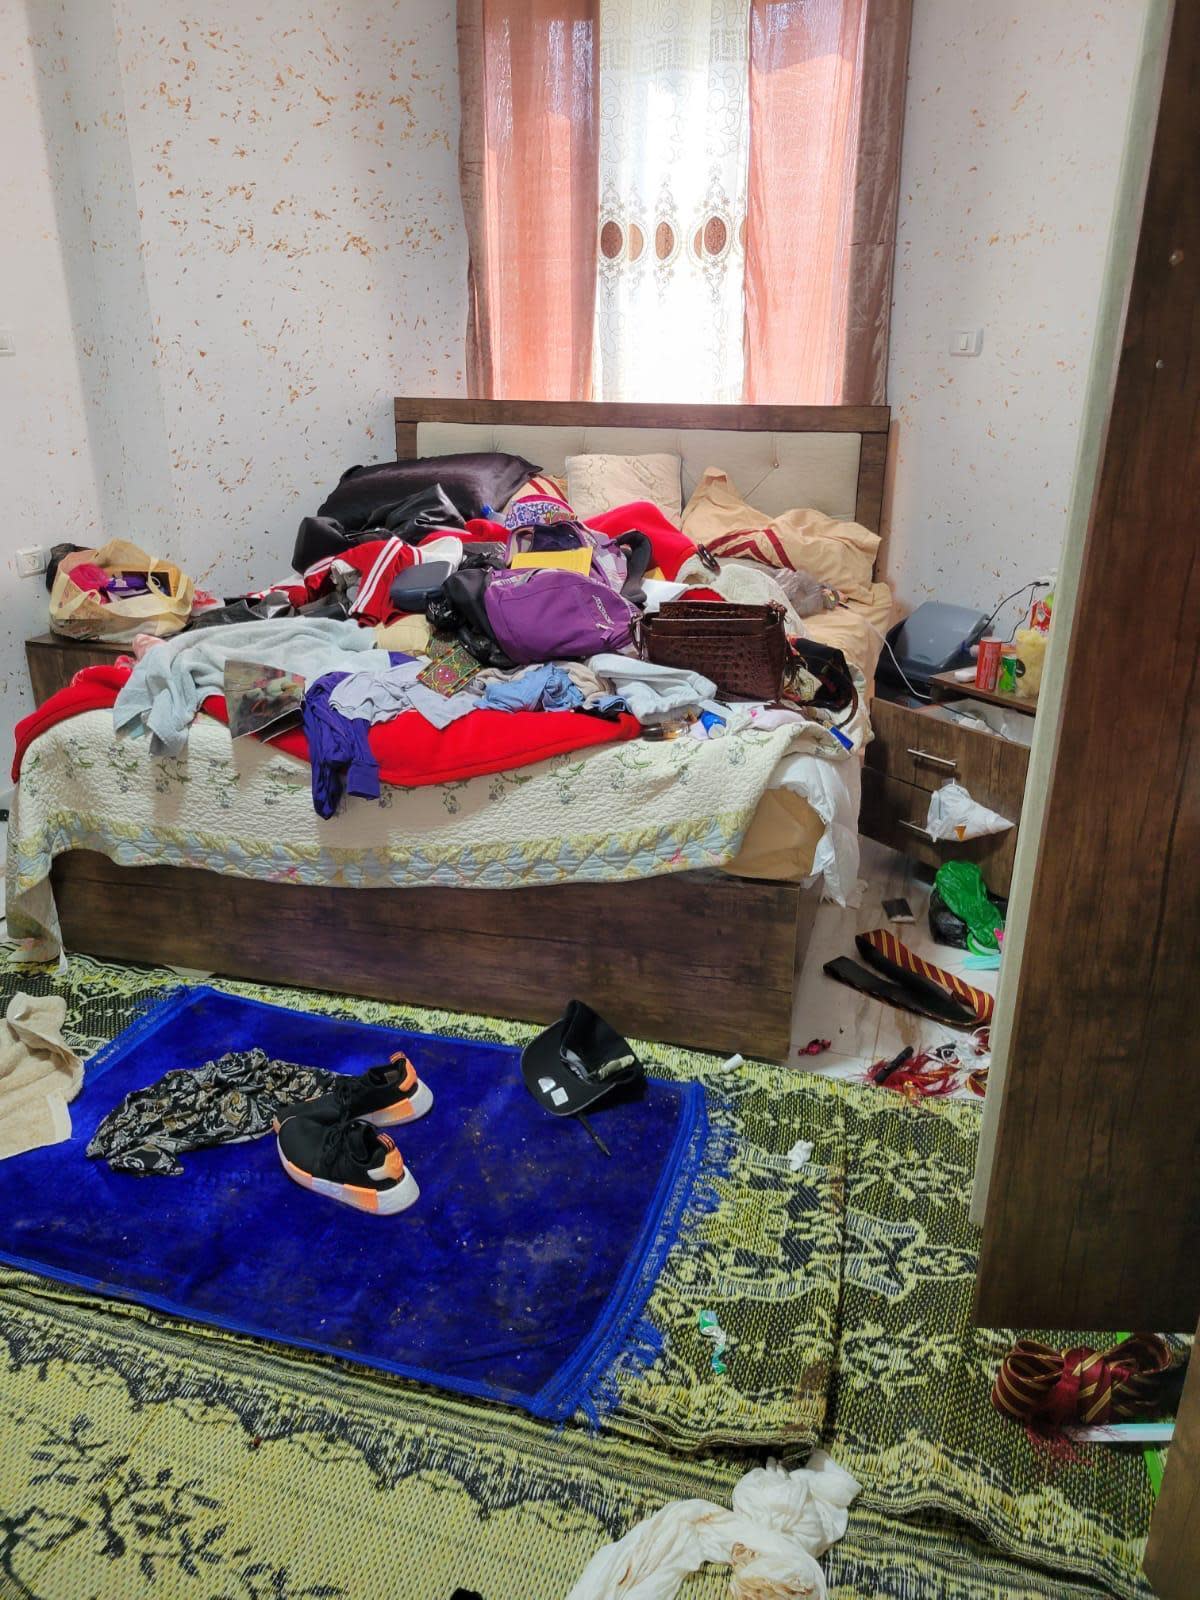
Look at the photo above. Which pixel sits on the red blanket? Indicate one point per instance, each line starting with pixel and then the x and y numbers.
pixel 410 751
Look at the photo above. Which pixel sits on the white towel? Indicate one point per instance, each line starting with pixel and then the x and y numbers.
pixel 39 1073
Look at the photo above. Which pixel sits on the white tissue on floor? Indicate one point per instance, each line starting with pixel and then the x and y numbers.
pixel 780 1523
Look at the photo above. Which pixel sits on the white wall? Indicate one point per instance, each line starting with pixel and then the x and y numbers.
pixel 259 243
pixel 47 483
pixel 1014 126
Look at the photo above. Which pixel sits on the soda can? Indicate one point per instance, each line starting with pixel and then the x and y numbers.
pixel 987 665
pixel 1006 678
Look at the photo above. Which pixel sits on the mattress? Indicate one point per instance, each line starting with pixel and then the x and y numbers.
pixel 604 815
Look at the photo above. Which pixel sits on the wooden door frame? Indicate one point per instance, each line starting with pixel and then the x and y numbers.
pixel 1093 1207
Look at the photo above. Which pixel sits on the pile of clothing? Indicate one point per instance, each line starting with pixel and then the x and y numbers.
pixel 412 595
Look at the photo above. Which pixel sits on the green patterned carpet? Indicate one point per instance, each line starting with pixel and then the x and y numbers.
pixel 144 1455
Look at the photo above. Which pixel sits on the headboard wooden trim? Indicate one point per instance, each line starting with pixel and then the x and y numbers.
pixel 872 422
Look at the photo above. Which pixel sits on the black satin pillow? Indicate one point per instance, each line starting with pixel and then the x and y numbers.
pixel 365 495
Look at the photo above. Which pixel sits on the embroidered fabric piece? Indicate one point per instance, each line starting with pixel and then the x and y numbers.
pixel 223 1102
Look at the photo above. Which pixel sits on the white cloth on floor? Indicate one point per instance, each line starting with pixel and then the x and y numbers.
pixel 168 684
pixel 780 1522
pixel 39 1073
pixel 650 690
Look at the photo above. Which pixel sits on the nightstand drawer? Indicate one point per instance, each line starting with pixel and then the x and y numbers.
pixel 929 751
pixel 914 752
pixel 54 660
pixel 895 813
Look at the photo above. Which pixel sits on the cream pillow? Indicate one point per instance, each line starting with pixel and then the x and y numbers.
pixel 841 554
pixel 598 483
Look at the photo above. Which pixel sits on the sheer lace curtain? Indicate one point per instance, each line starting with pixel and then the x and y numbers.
pixel 673 150
pixel 681 200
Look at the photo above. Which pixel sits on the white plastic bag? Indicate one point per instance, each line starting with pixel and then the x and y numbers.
pixel 954 815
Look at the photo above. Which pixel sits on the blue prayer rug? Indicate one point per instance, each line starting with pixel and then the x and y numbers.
pixel 520 1275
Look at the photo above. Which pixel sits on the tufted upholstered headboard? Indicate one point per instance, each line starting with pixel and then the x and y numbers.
pixel 828 457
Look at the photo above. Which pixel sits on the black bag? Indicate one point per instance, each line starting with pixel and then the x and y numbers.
pixel 836 690
pixel 365 495
pixel 412 519
pixel 458 608
pixel 427 511
pixel 947 927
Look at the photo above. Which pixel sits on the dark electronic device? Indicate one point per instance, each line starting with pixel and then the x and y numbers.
pixel 936 637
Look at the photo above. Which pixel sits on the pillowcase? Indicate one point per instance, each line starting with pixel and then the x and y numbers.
pixel 841 554
pixel 542 499
pixel 473 480
pixel 599 483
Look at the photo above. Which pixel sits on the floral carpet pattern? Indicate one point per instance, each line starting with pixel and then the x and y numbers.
pixel 193 1462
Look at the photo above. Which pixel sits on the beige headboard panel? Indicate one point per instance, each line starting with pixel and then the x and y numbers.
pixel 830 458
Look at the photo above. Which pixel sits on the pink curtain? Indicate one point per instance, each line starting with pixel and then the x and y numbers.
pixel 528 161
pixel 827 81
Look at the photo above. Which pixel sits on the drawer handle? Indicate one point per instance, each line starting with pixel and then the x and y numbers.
pixel 934 761
pixel 915 827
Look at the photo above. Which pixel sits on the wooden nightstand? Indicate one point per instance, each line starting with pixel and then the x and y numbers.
pixel 916 749
pixel 54 660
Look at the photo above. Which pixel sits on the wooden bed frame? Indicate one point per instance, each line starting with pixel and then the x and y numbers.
pixel 701 959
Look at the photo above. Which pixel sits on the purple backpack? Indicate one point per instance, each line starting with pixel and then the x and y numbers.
pixel 545 614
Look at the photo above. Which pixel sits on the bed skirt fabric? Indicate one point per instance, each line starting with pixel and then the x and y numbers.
pixel 604 816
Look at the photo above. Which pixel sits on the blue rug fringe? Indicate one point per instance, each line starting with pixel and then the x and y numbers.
pixel 636 1344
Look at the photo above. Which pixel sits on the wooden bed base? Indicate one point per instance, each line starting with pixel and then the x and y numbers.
pixel 693 958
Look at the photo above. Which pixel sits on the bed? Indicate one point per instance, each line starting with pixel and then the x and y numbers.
pixel 669 885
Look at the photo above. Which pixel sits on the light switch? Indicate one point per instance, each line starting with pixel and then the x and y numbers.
pixel 966 341
pixel 8 342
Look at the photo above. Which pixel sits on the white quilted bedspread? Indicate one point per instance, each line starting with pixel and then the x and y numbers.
pixel 621 811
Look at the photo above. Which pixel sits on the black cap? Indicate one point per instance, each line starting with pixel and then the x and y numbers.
pixel 577 1061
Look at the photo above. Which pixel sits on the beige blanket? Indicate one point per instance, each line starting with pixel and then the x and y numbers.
pixel 39 1073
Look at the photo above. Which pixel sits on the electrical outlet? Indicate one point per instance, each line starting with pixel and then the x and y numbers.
pixel 966 341
pixel 30 562
pixel 8 342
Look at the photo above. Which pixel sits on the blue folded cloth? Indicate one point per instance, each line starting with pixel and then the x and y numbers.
pixel 549 688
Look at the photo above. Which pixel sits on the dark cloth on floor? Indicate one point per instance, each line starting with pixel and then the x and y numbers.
pixel 191 1108
pixel 341 756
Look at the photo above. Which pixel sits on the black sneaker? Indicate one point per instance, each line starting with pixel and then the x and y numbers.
pixel 348 1161
pixel 383 1096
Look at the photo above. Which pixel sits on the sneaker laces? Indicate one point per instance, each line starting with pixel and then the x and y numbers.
pixel 348 1135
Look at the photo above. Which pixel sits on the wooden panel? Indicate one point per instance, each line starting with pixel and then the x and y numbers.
pixel 1173 1551
pixel 53 661
pixel 888 804
pixel 1093 1215
pixel 697 958
pixel 929 751
pixel 872 463
pixel 628 414
pixel 872 422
